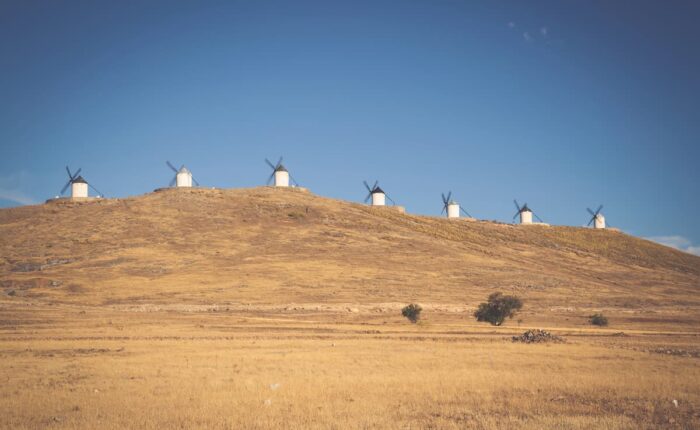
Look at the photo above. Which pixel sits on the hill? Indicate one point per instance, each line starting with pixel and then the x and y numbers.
pixel 272 247
pixel 268 308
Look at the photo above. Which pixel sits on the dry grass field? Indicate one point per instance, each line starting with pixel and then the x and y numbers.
pixel 269 308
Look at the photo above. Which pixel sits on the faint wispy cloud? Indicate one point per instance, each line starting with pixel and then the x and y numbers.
pixel 539 36
pixel 678 242
pixel 17 197
pixel 11 189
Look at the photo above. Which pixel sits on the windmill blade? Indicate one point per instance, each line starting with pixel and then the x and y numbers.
pixel 590 211
pixel 517 206
pixel 269 180
pixel 174 181
pixel 538 218
pixel 367 186
pixel 444 199
pixel 375 185
pixel 449 196
pixel 171 166
pixel 589 222
pixel 269 163
pixel 279 163
pixel 195 181
pixel 390 199
pixel 73 175
pixel 65 187
pixel 96 190
pixel 516 214
pixel 465 212
pixel 444 208
pixel 369 196
pixel 598 210
pixel 294 181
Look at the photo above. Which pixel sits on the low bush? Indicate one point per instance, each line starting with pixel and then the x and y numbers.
pixel 412 312
pixel 498 308
pixel 598 319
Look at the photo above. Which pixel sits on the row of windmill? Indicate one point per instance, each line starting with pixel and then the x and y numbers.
pixel 281 177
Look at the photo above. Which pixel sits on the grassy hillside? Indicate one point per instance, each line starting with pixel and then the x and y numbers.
pixel 275 247
pixel 268 308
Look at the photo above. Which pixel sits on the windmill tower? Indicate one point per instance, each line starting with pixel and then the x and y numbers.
pixel 525 213
pixel 78 185
pixel 451 207
pixel 183 177
pixel 376 194
pixel 280 174
pixel 597 218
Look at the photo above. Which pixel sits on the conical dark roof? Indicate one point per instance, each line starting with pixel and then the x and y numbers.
pixel 525 208
pixel 280 168
pixel 377 190
pixel 79 180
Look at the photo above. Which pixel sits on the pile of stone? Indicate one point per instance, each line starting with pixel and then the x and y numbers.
pixel 538 336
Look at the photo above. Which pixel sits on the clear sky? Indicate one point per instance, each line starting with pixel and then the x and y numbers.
pixel 562 105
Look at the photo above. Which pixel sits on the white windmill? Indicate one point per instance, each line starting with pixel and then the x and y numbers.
pixel 79 186
pixel 525 213
pixel 377 195
pixel 183 177
pixel 451 207
pixel 280 174
pixel 597 218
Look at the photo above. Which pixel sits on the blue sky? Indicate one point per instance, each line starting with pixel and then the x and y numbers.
pixel 562 105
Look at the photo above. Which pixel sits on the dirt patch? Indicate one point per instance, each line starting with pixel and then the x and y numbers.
pixel 37 267
pixel 676 352
pixel 75 352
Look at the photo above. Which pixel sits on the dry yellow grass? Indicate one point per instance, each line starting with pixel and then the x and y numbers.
pixel 270 308
pixel 223 370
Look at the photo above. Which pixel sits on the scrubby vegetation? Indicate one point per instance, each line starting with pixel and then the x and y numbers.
pixel 498 308
pixel 598 319
pixel 412 312
pixel 537 336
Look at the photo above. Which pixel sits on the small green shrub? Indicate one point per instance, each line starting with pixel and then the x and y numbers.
pixel 598 319
pixel 412 312
pixel 498 308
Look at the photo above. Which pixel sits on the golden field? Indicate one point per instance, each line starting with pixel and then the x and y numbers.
pixel 268 308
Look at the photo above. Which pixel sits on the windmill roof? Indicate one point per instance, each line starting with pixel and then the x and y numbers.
pixel 377 190
pixel 79 180
pixel 280 168
pixel 525 208
pixel 183 169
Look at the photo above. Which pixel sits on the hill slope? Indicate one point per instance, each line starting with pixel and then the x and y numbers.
pixel 272 247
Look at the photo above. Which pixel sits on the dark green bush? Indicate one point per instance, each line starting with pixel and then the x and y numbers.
pixel 498 308
pixel 412 312
pixel 598 319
